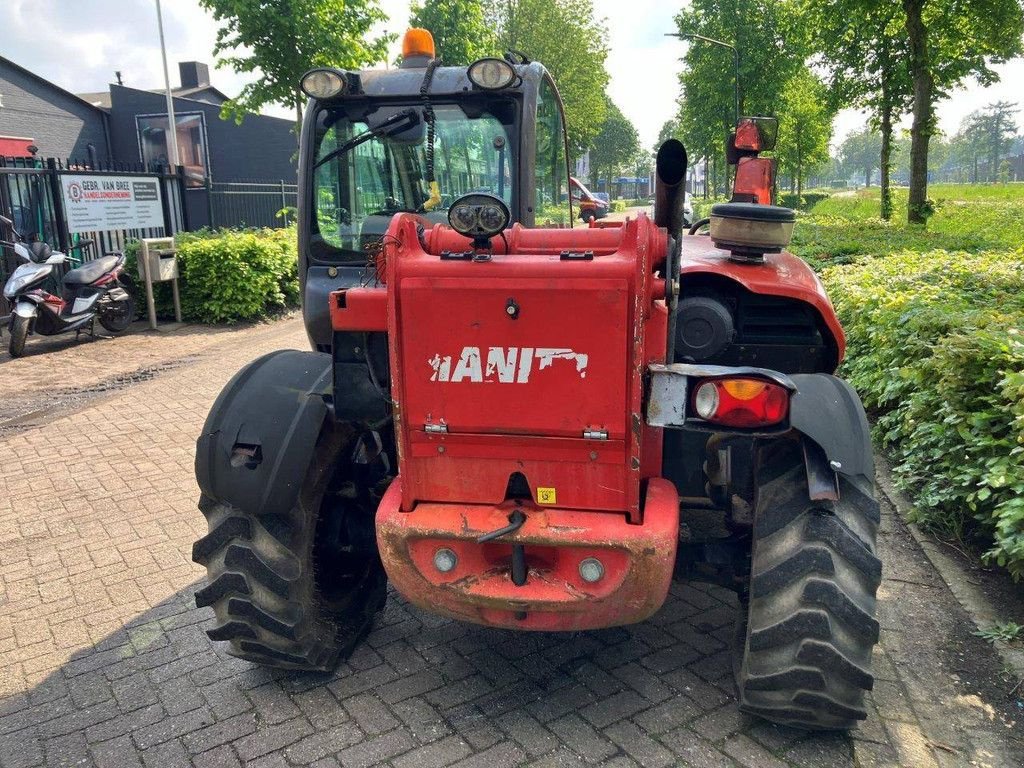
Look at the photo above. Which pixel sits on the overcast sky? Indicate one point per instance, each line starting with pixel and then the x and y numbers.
pixel 79 44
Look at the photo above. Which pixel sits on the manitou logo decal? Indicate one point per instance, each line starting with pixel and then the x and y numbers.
pixel 503 365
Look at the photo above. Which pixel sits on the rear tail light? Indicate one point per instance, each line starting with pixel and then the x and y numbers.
pixel 745 403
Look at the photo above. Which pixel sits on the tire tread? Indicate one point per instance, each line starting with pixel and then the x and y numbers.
pixel 808 635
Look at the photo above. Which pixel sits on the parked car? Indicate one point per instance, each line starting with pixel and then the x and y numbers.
pixel 590 206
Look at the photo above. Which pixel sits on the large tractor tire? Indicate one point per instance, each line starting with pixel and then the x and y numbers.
pixel 295 582
pixel 807 634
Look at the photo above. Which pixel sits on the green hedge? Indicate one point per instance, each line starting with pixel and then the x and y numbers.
pixel 937 351
pixel 229 276
pixel 802 202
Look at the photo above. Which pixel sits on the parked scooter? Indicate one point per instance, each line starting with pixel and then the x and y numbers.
pixel 91 292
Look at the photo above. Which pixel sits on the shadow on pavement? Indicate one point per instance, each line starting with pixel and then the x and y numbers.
pixel 421 690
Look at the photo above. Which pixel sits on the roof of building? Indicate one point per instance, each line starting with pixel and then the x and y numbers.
pixel 38 78
pixel 101 99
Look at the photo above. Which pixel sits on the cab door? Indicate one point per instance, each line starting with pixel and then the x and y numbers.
pixel 551 205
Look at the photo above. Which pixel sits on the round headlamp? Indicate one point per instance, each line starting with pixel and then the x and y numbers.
pixel 480 217
pixel 491 74
pixel 324 83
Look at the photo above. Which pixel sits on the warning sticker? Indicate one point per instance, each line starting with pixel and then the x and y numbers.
pixel 546 496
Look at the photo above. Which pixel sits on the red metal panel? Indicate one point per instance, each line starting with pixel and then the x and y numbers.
pixel 457 359
pixel 359 309
pixel 558 368
pixel 781 274
pixel 638 561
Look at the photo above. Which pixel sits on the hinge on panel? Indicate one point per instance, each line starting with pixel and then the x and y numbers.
pixel 577 256
pixel 595 434
pixel 436 429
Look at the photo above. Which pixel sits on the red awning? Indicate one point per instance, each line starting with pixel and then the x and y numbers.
pixel 13 146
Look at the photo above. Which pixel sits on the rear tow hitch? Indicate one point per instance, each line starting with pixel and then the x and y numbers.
pixel 515 521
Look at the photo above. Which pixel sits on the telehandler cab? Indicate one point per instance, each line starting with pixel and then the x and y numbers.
pixel 534 427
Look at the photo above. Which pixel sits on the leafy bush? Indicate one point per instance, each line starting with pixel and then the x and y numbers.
pixel 937 352
pixel 617 206
pixel 227 276
pixel 801 202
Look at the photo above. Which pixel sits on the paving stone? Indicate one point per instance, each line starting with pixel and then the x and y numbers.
pixel 268 738
pixel 171 727
pixel 221 757
pixel 221 732
pixel 116 753
pixel 169 754
pixel 370 714
pixel 613 708
pixel 437 755
pixel 324 742
pixel 104 659
pixel 377 750
pixel 502 755
pixel 639 745
pixel 582 739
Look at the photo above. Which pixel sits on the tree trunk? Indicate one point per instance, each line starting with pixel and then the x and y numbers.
pixel 923 124
pixel 885 157
pixel 867 175
pixel 799 166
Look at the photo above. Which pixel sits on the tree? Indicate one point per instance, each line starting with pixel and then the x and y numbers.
pixel 862 45
pixel 771 44
pixel 949 41
pixel 672 129
pixel 568 38
pixel 805 126
pixel 460 29
pixel 997 125
pixel 859 154
pixel 282 39
pixel 616 145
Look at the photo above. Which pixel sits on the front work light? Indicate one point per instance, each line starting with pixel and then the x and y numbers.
pixel 491 74
pixel 324 83
pixel 479 216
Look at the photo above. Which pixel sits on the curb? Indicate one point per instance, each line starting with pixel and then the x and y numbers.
pixel 974 601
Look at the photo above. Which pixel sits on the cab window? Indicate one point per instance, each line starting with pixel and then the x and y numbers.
pixel 551 200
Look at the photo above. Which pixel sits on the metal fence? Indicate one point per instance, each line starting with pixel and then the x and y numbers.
pixel 30 195
pixel 252 204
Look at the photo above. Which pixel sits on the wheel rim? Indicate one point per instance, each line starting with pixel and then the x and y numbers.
pixel 117 315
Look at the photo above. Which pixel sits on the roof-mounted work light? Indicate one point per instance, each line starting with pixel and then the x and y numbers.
pixel 324 83
pixel 491 74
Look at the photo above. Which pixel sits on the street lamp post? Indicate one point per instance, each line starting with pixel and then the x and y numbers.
pixel 172 127
pixel 735 57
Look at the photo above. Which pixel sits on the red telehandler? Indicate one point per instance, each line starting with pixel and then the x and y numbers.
pixel 530 426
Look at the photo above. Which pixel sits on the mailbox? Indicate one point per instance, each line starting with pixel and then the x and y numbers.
pixel 158 260
pixel 158 263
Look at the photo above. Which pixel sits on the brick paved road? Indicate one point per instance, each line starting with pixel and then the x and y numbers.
pixel 103 658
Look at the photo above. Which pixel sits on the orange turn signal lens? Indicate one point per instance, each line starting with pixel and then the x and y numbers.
pixel 418 42
pixel 744 389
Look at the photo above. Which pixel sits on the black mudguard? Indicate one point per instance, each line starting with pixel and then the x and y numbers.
pixel 828 411
pixel 259 438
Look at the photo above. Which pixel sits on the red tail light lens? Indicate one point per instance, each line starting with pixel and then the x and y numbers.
pixel 744 403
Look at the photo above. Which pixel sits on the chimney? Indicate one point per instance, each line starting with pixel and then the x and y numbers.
pixel 194 74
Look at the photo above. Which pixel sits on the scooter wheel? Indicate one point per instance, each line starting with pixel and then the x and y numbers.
pixel 19 332
pixel 118 315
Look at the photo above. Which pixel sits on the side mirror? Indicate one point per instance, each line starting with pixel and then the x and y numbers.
pixel 756 134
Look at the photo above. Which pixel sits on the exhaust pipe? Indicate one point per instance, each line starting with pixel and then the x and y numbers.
pixel 670 186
